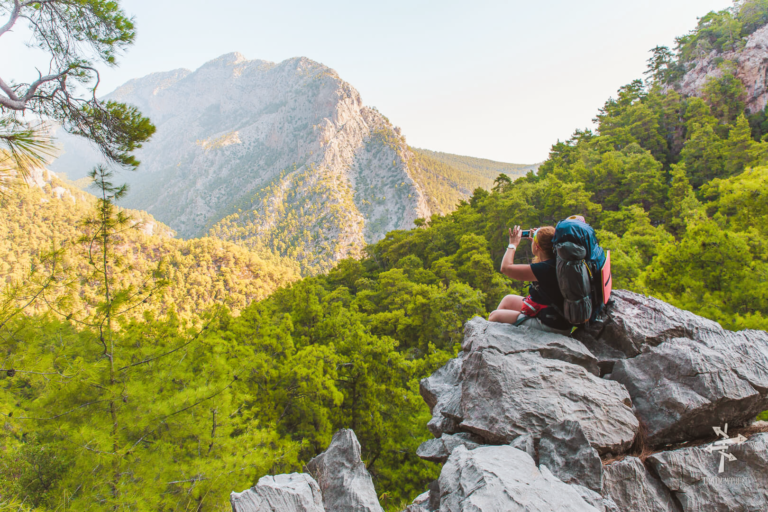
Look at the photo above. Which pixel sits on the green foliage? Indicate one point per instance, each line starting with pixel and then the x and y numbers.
pixel 723 30
pixel 725 95
pixel 22 149
pixel 40 221
pixel 193 399
pixel 685 219
pixel 77 36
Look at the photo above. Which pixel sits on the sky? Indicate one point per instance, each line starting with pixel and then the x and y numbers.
pixel 502 80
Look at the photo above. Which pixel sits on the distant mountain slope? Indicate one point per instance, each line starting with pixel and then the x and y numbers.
pixel 286 153
pixel 280 157
pixel 203 271
pixel 448 179
pixel 481 167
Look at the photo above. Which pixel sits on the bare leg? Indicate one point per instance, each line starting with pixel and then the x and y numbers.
pixel 513 302
pixel 508 310
pixel 506 316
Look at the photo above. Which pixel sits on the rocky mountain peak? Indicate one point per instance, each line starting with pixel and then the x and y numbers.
pixel 283 156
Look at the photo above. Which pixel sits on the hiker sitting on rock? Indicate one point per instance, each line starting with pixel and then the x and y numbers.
pixel 535 309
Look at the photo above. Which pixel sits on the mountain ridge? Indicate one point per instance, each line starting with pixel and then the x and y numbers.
pixel 283 157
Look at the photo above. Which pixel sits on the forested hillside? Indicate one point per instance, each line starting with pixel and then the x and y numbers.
pixel 179 415
pixel 448 179
pixel 48 216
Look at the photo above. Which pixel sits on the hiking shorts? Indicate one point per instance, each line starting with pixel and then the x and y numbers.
pixel 534 323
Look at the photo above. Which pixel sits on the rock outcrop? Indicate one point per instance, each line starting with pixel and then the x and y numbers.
pixel 338 481
pixel 634 323
pixel 685 374
pixel 693 475
pixel 682 388
pixel 521 419
pixel 751 68
pixel 678 373
pixel 343 479
pixel 629 483
pixel 503 478
pixel 565 451
pixel 297 492
pixel 439 390
pixel 506 396
pixel 439 449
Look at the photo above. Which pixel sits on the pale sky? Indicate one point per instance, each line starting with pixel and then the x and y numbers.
pixel 495 79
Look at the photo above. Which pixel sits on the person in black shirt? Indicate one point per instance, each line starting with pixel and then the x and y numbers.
pixel 538 310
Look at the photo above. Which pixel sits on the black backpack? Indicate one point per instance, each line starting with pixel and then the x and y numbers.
pixel 579 261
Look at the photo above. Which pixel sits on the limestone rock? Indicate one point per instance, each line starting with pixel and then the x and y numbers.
pixel 440 389
pixel 634 488
pixel 345 483
pixel 601 503
pixel 506 396
pixel 420 504
pixel 439 449
pixel 632 323
pixel 434 495
pixel 526 444
pixel 751 69
pixel 297 492
pixel 692 474
pixel 682 388
pixel 565 451
pixel 480 334
pixel 503 478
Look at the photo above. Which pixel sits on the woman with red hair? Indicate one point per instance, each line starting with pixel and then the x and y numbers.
pixel 539 309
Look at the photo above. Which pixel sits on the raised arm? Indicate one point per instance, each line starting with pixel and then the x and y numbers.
pixel 508 267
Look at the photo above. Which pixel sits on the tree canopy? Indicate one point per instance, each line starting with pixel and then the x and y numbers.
pixel 77 35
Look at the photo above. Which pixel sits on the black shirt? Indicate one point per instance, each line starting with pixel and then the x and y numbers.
pixel 547 292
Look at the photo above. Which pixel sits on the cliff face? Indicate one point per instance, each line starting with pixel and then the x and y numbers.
pixel 277 155
pixel 752 70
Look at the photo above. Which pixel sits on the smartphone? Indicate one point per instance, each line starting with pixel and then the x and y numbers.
pixel 527 233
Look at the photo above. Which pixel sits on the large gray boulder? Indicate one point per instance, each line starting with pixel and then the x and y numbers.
pixel 502 478
pixel 345 483
pixel 601 503
pixel 439 449
pixel 525 443
pixel 439 390
pixel 682 388
pixel 631 322
pixel 692 474
pixel 480 334
pixel 565 451
pixel 506 396
pixel 633 488
pixel 297 492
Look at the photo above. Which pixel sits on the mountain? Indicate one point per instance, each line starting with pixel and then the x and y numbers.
pixel 280 157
